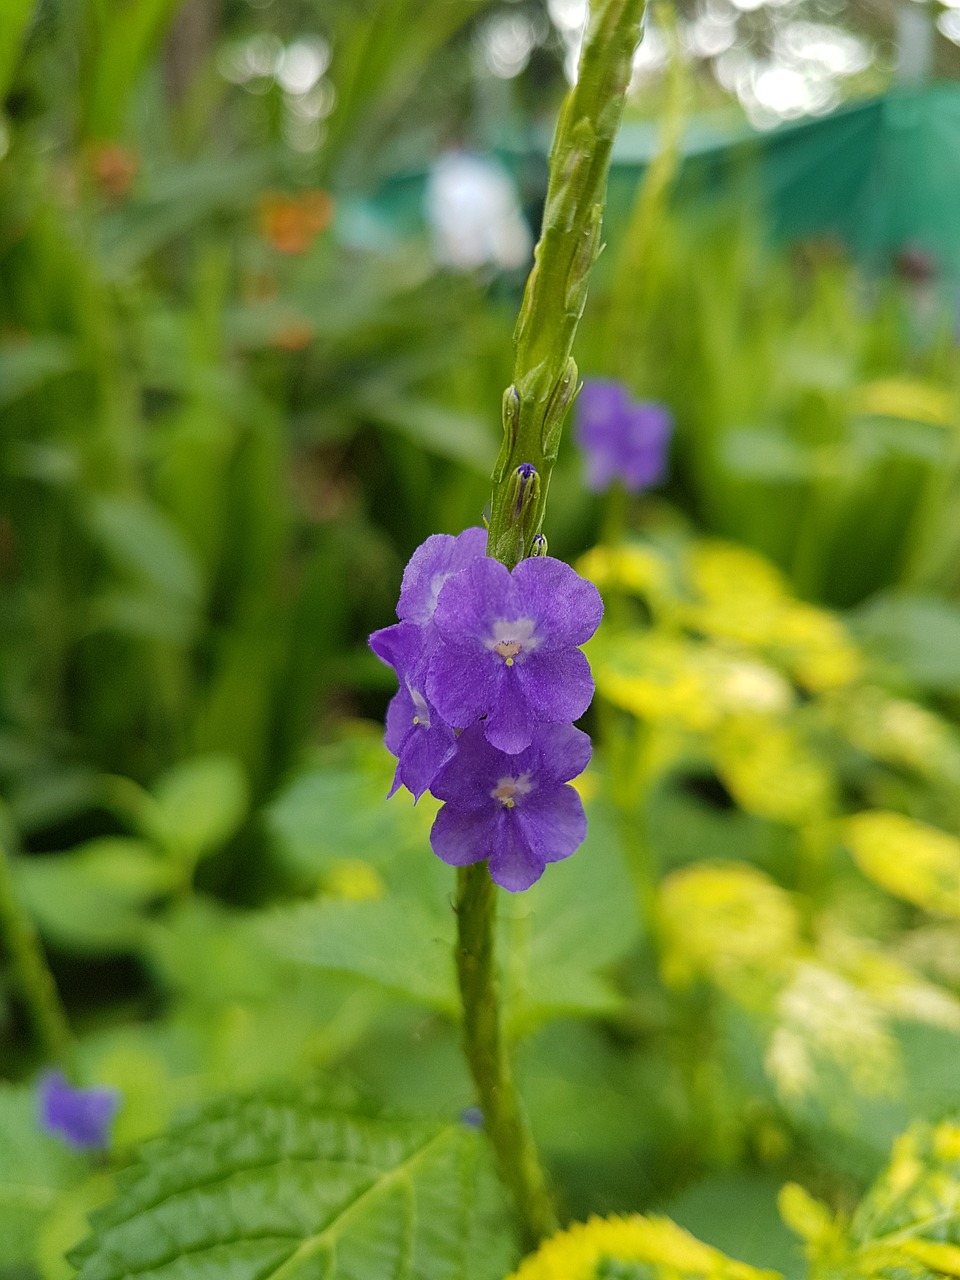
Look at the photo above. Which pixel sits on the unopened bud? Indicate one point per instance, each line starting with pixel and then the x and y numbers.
pixel 539 546
pixel 527 484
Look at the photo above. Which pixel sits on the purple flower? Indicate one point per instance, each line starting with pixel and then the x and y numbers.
pixel 623 440
pixel 430 566
pixel 415 733
pixel 516 811
pixel 508 648
pixel 81 1117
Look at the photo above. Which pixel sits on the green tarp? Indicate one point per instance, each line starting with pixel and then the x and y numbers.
pixel 881 175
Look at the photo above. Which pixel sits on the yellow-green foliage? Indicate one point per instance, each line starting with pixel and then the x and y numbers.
pixel 589 1250
pixel 910 859
pixel 907 1227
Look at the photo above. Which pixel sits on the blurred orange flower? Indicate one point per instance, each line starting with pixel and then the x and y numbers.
pixel 294 336
pixel 292 223
pixel 114 168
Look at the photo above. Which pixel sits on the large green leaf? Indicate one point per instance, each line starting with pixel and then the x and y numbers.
pixel 338 809
pixel 303 1188
pixel 398 944
pixel 92 898
pixel 919 634
pixel 200 803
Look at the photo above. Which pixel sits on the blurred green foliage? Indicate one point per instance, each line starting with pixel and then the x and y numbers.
pixel 231 406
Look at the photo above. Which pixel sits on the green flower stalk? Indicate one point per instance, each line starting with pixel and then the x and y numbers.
pixel 534 406
pixel 545 373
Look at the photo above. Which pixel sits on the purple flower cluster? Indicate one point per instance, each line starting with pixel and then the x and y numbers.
pixel 622 439
pixel 80 1117
pixel 491 678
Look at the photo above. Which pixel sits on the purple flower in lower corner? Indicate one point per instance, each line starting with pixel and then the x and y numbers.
pixel 508 648
pixel 515 811
pixel 622 439
pixel 80 1117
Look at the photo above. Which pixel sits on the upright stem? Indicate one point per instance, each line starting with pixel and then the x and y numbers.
pixel 505 1121
pixel 534 405
pixel 545 373
pixel 36 982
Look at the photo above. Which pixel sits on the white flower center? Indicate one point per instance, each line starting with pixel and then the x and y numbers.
pixel 508 789
pixel 421 712
pixel 512 637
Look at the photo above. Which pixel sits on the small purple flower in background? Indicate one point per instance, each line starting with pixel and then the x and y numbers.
pixel 509 648
pixel 622 439
pixel 81 1117
pixel 514 810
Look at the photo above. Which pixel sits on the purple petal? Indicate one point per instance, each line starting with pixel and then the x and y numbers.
pixel 558 686
pixel 472 600
pixel 567 608
pixel 563 752
pixel 424 753
pixel 460 837
pixel 404 647
pixel 553 822
pixel 400 713
pixel 463 685
pixel 511 721
pixel 472 772
pixel 81 1117
pixel 514 865
pixel 430 566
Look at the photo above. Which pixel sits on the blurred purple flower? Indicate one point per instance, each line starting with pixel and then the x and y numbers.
pixel 81 1117
pixel 508 648
pixel 622 439
pixel 515 811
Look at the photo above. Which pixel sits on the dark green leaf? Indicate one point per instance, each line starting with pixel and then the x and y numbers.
pixel 266 1189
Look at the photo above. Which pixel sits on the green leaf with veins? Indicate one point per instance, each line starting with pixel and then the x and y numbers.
pixel 287 1188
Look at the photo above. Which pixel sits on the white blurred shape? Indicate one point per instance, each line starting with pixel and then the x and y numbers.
pixel 302 64
pixel 707 36
pixel 651 54
pixel 949 24
pixel 507 40
pixel 568 15
pixel 474 214
pixel 837 51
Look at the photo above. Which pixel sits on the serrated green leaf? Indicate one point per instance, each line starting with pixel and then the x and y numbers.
pixel 200 804
pixel 291 1188
pixel 91 899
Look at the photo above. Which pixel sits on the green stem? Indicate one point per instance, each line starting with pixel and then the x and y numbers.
pixel 504 1119
pixel 545 373
pixel 37 986
pixel 544 385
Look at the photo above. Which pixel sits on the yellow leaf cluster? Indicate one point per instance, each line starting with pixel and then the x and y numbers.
pixel 728 923
pixel 770 772
pixel 907 1227
pixel 579 1252
pixel 910 859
